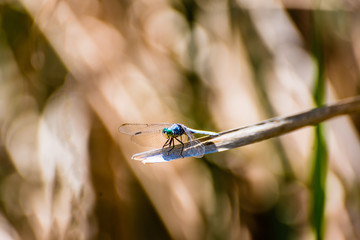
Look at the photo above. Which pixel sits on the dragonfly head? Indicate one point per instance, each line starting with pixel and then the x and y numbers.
pixel 167 133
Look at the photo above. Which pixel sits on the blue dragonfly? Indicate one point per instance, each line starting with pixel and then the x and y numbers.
pixel 154 134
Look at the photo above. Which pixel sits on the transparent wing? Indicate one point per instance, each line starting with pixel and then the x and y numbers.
pixel 195 147
pixel 149 140
pixel 148 135
pixel 142 129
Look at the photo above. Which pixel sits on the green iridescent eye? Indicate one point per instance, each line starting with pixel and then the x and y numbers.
pixel 167 133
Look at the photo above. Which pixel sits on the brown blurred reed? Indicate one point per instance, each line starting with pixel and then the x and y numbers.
pixel 73 71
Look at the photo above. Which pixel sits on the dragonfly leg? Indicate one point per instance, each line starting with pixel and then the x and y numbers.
pixel 171 142
pixel 182 149
pixel 166 143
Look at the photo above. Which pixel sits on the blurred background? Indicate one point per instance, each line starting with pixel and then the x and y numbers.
pixel 71 72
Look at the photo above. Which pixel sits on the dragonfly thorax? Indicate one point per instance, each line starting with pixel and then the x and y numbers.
pixel 174 131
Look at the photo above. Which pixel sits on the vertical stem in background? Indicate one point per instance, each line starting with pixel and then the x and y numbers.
pixel 319 162
pixel 318 182
pixel 195 103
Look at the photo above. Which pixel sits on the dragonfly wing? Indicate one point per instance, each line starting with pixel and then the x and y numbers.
pixel 142 129
pixel 149 140
pixel 195 147
pixel 148 135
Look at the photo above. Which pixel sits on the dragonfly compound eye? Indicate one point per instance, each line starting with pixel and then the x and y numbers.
pixel 167 133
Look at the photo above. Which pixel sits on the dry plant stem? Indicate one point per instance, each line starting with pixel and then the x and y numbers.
pixel 278 126
pixel 263 130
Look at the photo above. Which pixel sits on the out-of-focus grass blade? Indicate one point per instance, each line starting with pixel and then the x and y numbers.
pixel 320 161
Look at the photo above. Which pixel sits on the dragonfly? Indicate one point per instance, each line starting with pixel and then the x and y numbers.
pixel 168 134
